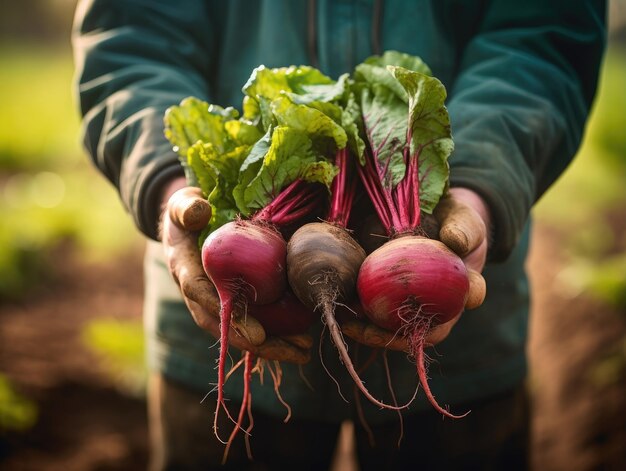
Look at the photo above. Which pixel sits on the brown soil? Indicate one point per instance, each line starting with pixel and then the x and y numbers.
pixel 86 423
pixel 578 357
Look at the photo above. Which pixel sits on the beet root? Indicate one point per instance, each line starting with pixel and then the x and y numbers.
pixel 409 285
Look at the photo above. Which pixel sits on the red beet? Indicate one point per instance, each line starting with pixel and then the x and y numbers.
pixel 408 286
pixel 246 262
pixel 287 316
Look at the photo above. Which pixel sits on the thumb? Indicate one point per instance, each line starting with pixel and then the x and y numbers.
pixel 188 209
pixel 461 226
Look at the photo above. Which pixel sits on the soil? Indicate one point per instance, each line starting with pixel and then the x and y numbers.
pixel 87 423
pixel 578 369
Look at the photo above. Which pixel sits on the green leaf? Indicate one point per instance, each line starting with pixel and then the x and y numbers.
pixel 374 70
pixel 223 170
pixel 385 119
pixel 431 138
pixel 204 173
pixel 195 120
pixel 352 123
pixel 239 168
pixel 290 152
pixel 322 92
pixel 400 59
pixel 319 172
pixel 323 97
pixel 299 109
pixel 266 83
pixel 251 111
pixel 271 83
pixel 303 85
pixel 242 132
pixel 319 126
pixel 299 77
pixel 249 170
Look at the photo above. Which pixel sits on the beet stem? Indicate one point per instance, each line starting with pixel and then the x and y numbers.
pixel 373 188
pixel 342 190
pixel 294 202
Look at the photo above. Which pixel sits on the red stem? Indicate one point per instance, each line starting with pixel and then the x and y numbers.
pixel 414 182
pixel 373 187
pixel 342 190
pixel 297 200
pixel 398 208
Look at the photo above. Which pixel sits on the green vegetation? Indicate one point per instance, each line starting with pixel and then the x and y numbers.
pixel 17 413
pixel 49 193
pixel 120 345
pixel 39 121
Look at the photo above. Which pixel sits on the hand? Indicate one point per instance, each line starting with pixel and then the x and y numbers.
pixel 464 222
pixel 185 212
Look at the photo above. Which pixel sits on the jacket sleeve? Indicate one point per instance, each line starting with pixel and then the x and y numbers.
pixel 520 102
pixel 134 58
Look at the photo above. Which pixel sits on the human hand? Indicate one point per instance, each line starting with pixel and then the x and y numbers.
pixel 186 212
pixel 464 223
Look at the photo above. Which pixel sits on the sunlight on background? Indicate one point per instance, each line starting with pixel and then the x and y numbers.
pixel 50 193
pixel 51 197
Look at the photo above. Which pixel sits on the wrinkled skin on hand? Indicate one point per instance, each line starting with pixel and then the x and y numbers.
pixel 464 223
pixel 185 212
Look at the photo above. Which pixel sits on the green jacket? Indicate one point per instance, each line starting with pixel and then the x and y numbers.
pixel 521 77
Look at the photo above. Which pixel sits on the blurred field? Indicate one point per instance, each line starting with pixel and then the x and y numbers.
pixel 50 193
pixel 578 277
pixel 71 361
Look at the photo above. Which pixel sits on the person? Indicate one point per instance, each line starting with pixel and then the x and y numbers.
pixel 521 78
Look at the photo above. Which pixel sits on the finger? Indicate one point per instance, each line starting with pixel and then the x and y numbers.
pixel 272 349
pixel 477 258
pixel 184 257
pixel 373 336
pixel 477 290
pixel 185 265
pixel 188 209
pixel 462 228
pixel 249 327
pixel 196 287
pixel 303 341
pixel 211 324
pixel 439 332
pixel 187 269
pixel 277 349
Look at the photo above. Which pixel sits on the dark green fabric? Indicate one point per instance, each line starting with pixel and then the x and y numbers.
pixel 521 77
pixel 520 101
